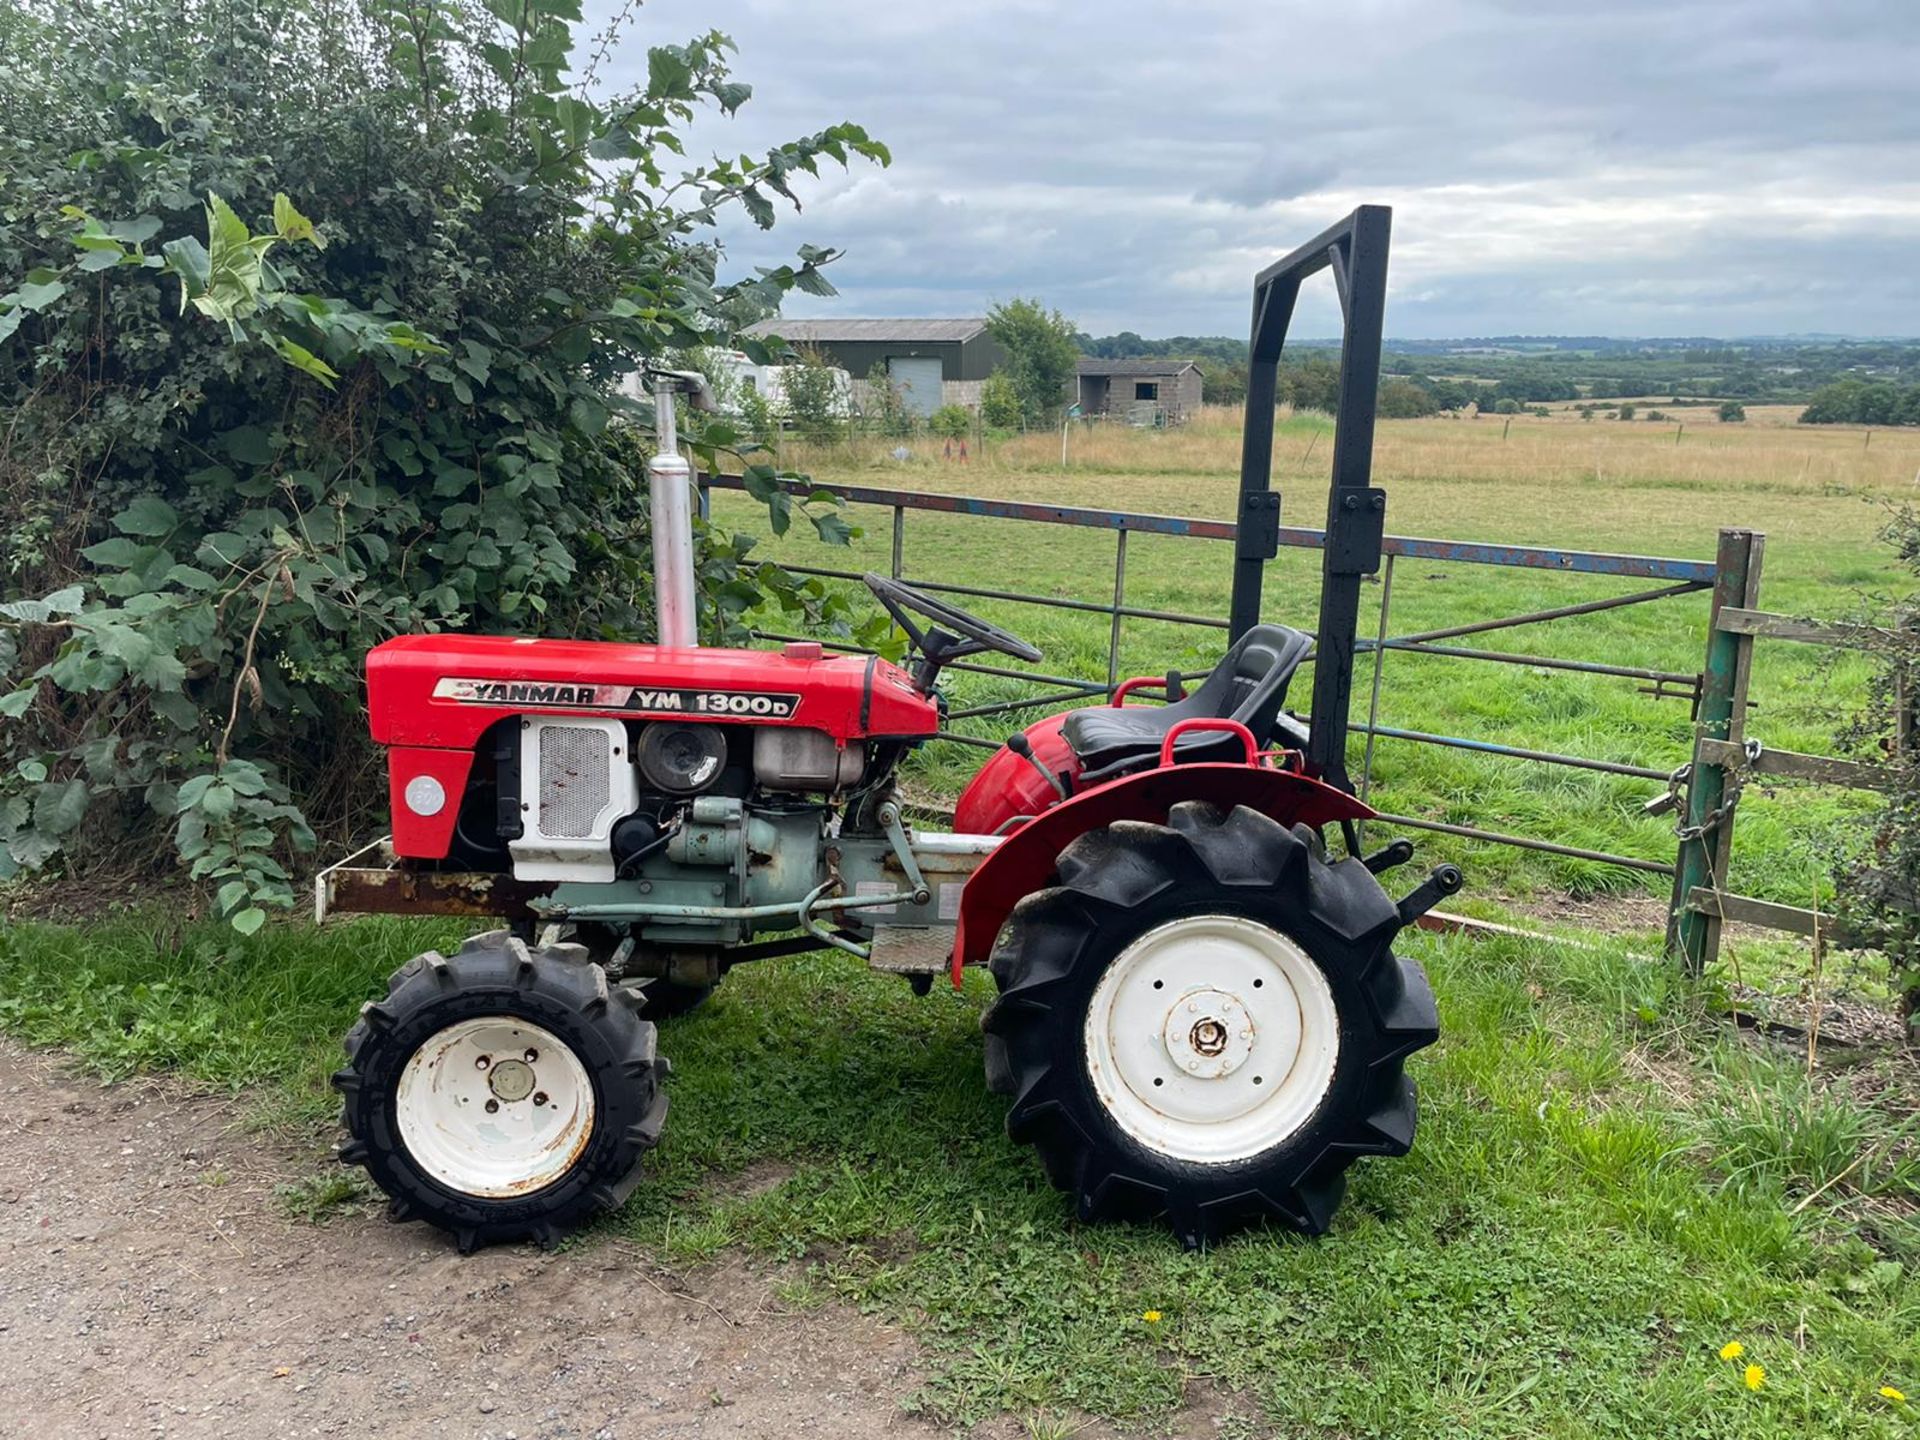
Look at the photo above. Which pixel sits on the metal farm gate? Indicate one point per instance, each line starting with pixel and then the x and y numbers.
pixel 1658 578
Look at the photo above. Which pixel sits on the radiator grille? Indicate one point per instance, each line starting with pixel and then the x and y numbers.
pixel 574 777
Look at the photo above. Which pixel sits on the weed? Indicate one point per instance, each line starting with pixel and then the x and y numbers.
pixel 316 1199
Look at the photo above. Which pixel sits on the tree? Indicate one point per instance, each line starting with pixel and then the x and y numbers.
pixel 1042 358
pixel 815 395
pixel 951 422
pixel 1625 413
pixel 1223 382
pixel 999 402
pixel 1859 402
pixel 1732 411
pixel 1313 384
pixel 313 337
pixel 1404 400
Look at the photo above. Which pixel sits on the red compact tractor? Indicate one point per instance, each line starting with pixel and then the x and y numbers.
pixel 1200 1014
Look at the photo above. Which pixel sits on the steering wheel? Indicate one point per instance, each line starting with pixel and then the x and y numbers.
pixel 900 599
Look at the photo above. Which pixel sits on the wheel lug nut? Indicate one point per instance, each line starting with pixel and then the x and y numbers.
pixel 531 1056
pixel 492 1106
pixel 481 1062
pixel 539 1097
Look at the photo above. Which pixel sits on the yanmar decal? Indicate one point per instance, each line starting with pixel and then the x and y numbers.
pixel 560 695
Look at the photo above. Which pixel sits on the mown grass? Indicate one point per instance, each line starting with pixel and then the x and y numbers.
pixel 1606 1189
pixel 1818 493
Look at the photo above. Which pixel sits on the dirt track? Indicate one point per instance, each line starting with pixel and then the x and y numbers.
pixel 151 1285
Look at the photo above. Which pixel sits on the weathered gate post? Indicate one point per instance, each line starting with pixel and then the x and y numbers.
pixel 1694 936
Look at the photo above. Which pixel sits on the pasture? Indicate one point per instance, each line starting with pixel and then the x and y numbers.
pixel 1818 493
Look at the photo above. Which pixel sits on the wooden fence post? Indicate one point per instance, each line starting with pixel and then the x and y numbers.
pixel 1702 863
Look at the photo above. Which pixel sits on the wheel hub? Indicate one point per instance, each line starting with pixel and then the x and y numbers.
pixel 1211 1038
pixel 511 1080
pixel 1208 1033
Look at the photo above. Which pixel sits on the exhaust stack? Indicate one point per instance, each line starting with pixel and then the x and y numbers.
pixel 670 486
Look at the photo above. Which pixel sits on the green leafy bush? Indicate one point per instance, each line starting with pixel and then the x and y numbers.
pixel 1878 881
pixel 244 445
pixel 951 422
pixel 816 397
pixel 999 402
pixel 884 404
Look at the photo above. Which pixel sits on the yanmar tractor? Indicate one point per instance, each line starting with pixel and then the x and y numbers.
pixel 1200 1014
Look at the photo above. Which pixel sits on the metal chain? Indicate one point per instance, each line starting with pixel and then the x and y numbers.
pixel 1737 776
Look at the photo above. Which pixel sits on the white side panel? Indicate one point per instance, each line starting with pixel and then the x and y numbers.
pixel 576 782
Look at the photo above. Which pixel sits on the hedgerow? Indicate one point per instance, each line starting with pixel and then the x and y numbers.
pixel 315 318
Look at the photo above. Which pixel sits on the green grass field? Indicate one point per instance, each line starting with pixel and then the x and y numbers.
pixel 1609 1186
pixel 1818 493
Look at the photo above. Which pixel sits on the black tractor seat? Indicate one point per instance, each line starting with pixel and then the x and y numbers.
pixel 1248 685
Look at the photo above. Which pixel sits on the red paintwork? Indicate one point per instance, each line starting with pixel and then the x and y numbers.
pixel 425 837
pixel 1023 862
pixel 850 697
pixel 1007 786
pixel 1137 682
pixel 402 673
pixel 1209 722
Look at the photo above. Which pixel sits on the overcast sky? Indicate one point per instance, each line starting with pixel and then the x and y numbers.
pixel 1690 167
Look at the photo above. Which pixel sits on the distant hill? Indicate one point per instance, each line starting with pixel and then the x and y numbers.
pixel 1777 369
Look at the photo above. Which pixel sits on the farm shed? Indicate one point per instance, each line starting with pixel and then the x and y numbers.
pixel 931 362
pixel 1144 392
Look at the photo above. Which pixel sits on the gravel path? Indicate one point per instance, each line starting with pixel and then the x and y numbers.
pixel 150 1284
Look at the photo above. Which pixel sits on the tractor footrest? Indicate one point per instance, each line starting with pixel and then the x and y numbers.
pixel 912 949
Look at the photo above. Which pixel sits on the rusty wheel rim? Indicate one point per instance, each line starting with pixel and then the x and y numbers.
pixel 495 1107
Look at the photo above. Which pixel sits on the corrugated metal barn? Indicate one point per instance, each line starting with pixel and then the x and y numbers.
pixel 1145 392
pixel 931 362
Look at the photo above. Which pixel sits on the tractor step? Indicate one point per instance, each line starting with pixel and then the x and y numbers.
pixel 912 949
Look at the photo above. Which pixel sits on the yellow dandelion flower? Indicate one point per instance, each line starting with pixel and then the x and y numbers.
pixel 1732 1350
pixel 1152 1317
pixel 1889 1393
pixel 1755 1377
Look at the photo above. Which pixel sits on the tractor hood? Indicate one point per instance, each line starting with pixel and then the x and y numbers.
pixel 443 691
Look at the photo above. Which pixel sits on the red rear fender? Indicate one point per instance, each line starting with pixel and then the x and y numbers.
pixel 1025 861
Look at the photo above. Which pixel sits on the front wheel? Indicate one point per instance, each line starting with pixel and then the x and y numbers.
pixel 503 1092
pixel 1205 1019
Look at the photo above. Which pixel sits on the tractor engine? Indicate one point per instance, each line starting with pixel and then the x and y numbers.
pixel 596 796
pixel 655 793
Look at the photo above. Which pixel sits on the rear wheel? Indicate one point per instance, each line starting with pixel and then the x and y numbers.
pixel 501 1093
pixel 1205 1019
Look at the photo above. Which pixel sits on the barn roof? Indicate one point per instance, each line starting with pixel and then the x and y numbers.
pixel 1136 367
pixel 910 332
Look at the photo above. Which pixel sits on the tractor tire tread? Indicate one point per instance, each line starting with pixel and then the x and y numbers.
pixel 497 973
pixel 1123 879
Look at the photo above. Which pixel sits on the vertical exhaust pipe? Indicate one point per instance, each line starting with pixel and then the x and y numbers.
pixel 670 489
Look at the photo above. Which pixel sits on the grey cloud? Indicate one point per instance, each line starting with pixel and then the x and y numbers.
pixel 1274 176
pixel 1651 166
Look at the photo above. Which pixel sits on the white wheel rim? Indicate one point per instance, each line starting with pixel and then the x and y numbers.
pixel 1211 1038
pixel 495 1107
